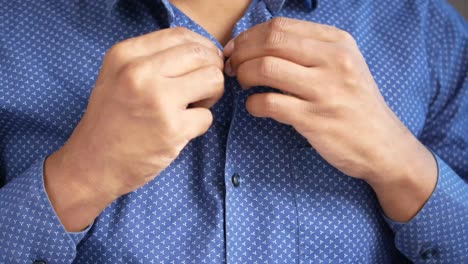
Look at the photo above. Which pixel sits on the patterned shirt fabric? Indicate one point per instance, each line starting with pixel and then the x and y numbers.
pixel 250 190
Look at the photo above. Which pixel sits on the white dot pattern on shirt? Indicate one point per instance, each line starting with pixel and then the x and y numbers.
pixel 291 205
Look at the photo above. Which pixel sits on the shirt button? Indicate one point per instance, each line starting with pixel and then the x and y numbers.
pixel 428 254
pixel 235 180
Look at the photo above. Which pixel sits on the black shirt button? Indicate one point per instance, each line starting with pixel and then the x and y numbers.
pixel 235 180
pixel 39 262
pixel 428 254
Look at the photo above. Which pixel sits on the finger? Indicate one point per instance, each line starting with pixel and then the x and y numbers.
pixel 197 121
pixel 283 108
pixel 205 103
pixel 300 28
pixel 280 74
pixel 184 58
pixel 160 40
pixel 298 49
pixel 202 84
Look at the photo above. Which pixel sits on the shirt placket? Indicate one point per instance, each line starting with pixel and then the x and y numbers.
pixel 261 221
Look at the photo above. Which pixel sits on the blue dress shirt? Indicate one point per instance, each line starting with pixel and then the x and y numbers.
pixel 250 190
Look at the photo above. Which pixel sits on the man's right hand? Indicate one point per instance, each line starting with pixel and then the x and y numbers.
pixel 151 98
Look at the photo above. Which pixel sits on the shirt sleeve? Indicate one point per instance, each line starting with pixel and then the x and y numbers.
pixel 30 230
pixel 439 232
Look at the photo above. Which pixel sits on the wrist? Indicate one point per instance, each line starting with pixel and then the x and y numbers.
pixel 75 200
pixel 406 187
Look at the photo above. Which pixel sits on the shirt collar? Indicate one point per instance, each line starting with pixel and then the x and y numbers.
pixel 110 3
pixel 273 5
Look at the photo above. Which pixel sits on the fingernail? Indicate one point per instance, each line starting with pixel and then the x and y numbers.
pixel 220 53
pixel 228 68
pixel 228 48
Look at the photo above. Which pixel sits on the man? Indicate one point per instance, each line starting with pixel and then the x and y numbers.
pixel 337 135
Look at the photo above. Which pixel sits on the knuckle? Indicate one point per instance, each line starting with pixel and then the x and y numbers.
pixel 198 50
pixel 215 74
pixel 274 39
pixel 341 110
pixel 309 109
pixel 270 104
pixel 278 23
pixel 176 152
pixel 242 37
pixel 118 52
pixel 235 61
pixel 157 102
pixel 345 36
pixel 352 83
pixel 344 59
pixel 337 106
pixel 169 154
pixel 218 92
pixel 171 125
pixel 131 76
pixel 267 67
pixel 244 74
pixel 180 32
pixel 208 120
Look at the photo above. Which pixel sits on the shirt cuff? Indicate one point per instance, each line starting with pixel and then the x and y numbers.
pixel 439 232
pixel 29 227
pixel 76 237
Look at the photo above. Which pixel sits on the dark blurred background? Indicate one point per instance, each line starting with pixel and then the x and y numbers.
pixel 462 6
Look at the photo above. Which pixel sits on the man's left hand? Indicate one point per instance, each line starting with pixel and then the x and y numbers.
pixel 330 97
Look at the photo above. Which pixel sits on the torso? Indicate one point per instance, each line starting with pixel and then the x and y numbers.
pixel 291 205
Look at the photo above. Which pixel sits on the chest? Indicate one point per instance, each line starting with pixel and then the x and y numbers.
pixel 48 72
